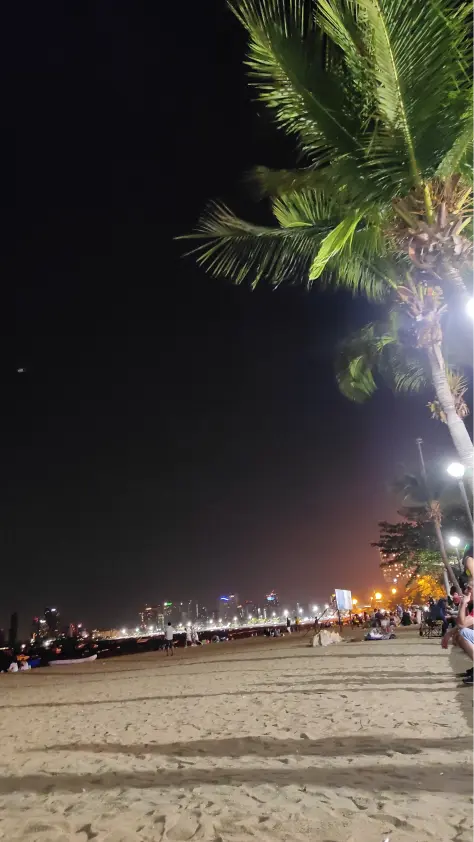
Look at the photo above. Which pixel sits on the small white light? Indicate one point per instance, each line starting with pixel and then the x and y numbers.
pixel 454 540
pixel 124 631
pixel 315 609
pixel 456 470
pixel 326 605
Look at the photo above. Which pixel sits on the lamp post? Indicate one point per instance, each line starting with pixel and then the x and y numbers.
pixel 456 470
pixel 454 542
pixel 436 519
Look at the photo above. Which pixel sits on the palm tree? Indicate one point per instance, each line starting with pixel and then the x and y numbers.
pixel 377 94
pixel 424 498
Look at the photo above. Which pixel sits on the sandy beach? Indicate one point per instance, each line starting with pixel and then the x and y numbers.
pixel 260 739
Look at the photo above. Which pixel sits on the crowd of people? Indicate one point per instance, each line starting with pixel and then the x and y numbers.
pixel 458 615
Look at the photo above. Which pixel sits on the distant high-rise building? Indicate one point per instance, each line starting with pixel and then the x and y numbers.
pixel 394 572
pixel 272 600
pixel 152 615
pixel 51 616
pixel 228 607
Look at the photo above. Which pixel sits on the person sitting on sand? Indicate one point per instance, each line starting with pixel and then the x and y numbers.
pixel 465 624
pixel 169 635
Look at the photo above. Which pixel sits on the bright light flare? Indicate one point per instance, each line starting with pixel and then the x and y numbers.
pixel 470 308
pixel 456 470
pixel 454 541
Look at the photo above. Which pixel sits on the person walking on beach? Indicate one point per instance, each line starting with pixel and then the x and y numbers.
pixel 169 635
pixel 189 635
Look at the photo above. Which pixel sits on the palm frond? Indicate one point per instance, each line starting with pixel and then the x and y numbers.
pixel 458 159
pixel 233 248
pixel 309 230
pixel 420 54
pixel 358 359
pixel 334 242
pixel 274 183
pixel 285 59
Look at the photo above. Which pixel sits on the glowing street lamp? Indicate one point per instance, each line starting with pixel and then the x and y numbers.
pixel 457 470
pixel 470 308
pixel 326 605
pixel 454 541
pixel 378 596
pixel 354 601
pixel 300 610
pixel 285 613
pixel 315 609
pixel 394 590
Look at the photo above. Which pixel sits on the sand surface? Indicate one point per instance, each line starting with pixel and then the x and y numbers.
pixel 266 740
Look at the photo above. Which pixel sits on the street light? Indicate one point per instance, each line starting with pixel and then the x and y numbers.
pixel 470 308
pixel 394 590
pixel 457 470
pixel 378 596
pixel 454 541
pixel 315 609
pixel 285 613
pixel 300 610
pixel 326 605
pixel 354 601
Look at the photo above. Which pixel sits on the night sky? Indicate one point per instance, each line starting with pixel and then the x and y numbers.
pixel 173 436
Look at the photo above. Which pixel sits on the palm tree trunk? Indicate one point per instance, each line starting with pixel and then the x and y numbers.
pixel 457 428
pixel 449 569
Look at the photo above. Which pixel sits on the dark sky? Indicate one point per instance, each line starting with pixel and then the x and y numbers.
pixel 173 436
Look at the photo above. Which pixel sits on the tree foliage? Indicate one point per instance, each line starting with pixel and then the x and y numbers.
pixel 377 95
pixel 421 588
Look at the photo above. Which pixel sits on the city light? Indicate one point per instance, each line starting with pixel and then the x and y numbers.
pixel 235 619
pixel 454 541
pixel 315 609
pixel 456 470
pixel 285 613
pixel 300 610
pixel 394 590
pixel 124 631
pixel 326 605
pixel 354 601
pixel 378 595
pixel 273 613
pixel 137 630
pixel 470 308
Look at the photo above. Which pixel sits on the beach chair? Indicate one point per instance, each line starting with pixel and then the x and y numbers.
pixel 431 628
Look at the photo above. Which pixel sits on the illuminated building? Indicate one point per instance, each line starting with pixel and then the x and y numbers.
pixel 39 630
pixel 394 571
pixel 272 600
pixel 152 616
pixel 228 607
pixel 51 616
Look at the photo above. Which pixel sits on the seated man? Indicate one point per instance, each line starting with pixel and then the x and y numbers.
pixel 465 628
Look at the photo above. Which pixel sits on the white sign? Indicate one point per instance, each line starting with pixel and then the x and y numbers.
pixel 343 600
